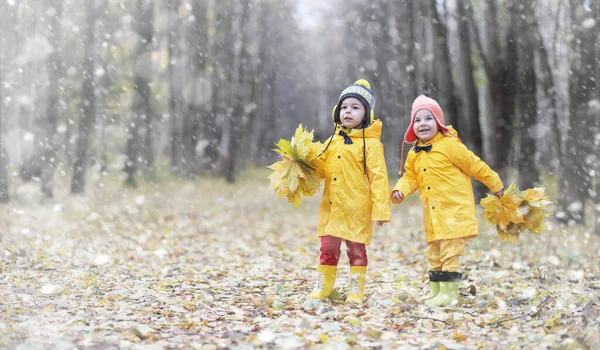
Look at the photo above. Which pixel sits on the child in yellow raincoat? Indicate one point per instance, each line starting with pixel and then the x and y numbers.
pixel 440 167
pixel 356 192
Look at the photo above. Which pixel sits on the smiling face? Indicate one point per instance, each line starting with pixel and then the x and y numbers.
pixel 352 113
pixel 425 126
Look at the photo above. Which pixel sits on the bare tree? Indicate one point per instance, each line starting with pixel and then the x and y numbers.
pixel 411 53
pixel 449 101
pixel 174 28
pixel 4 197
pixel 197 94
pixel 268 106
pixel 49 123
pixel 527 96
pixel 222 60
pixel 142 113
pixel 575 180
pixel 257 84
pixel 468 120
pixel 550 90
pixel 88 108
pixel 499 62
pixel 242 96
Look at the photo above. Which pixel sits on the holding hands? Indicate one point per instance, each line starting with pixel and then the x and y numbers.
pixel 397 197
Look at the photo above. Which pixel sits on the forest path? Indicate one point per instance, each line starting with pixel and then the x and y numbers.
pixel 202 264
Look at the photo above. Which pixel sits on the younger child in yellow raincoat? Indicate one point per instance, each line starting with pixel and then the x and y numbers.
pixel 356 192
pixel 440 167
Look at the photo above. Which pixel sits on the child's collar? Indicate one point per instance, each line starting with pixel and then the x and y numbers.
pixel 437 136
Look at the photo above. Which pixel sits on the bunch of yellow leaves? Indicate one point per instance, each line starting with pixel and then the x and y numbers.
pixel 299 171
pixel 516 211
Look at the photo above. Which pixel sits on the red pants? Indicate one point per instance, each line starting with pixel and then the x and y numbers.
pixel 330 251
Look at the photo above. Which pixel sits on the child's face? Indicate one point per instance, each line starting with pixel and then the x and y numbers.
pixel 352 112
pixel 425 125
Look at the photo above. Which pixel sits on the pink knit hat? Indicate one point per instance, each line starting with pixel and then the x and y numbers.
pixel 424 102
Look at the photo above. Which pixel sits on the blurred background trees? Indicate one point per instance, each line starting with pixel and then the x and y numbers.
pixel 196 87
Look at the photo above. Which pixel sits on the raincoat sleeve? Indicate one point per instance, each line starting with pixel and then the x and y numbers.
pixel 320 162
pixel 407 184
pixel 378 175
pixel 472 165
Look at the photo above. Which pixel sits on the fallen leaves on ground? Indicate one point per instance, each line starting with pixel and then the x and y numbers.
pixel 207 265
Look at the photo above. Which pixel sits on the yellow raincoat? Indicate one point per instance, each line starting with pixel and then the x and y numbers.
pixel 443 178
pixel 351 200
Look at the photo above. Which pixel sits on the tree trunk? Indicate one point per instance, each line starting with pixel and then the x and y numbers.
pixel 527 98
pixel 4 196
pixel 141 106
pixel 411 56
pixel 597 202
pixel 265 140
pixel 575 180
pixel 255 121
pixel 500 67
pixel 174 91
pixel 551 94
pixel 146 31
pixel 54 66
pixel 88 108
pixel 426 51
pixel 446 90
pixel 102 83
pixel 223 63
pixel 242 95
pixel 468 121
pixel 198 97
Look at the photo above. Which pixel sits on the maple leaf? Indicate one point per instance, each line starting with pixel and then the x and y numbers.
pixel 535 194
pixel 299 172
pixel 534 220
pixel 516 211
pixel 504 210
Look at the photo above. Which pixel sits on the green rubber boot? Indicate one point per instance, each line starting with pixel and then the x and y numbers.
pixel 448 294
pixel 434 284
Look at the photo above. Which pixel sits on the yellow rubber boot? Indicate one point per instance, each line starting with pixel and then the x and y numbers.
pixel 357 284
pixel 325 281
pixel 448 295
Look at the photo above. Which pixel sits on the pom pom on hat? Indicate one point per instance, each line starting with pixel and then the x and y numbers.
pixel 363 82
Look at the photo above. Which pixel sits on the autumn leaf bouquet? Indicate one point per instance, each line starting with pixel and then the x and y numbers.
pixel 516 211
pixel 299 172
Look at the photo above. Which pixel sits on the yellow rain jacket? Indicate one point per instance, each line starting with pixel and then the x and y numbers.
pixel 443 178
pixel 352 200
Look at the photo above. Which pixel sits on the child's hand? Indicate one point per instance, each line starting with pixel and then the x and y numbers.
pixel 397 197
pixel 499 193
pixel 380 222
